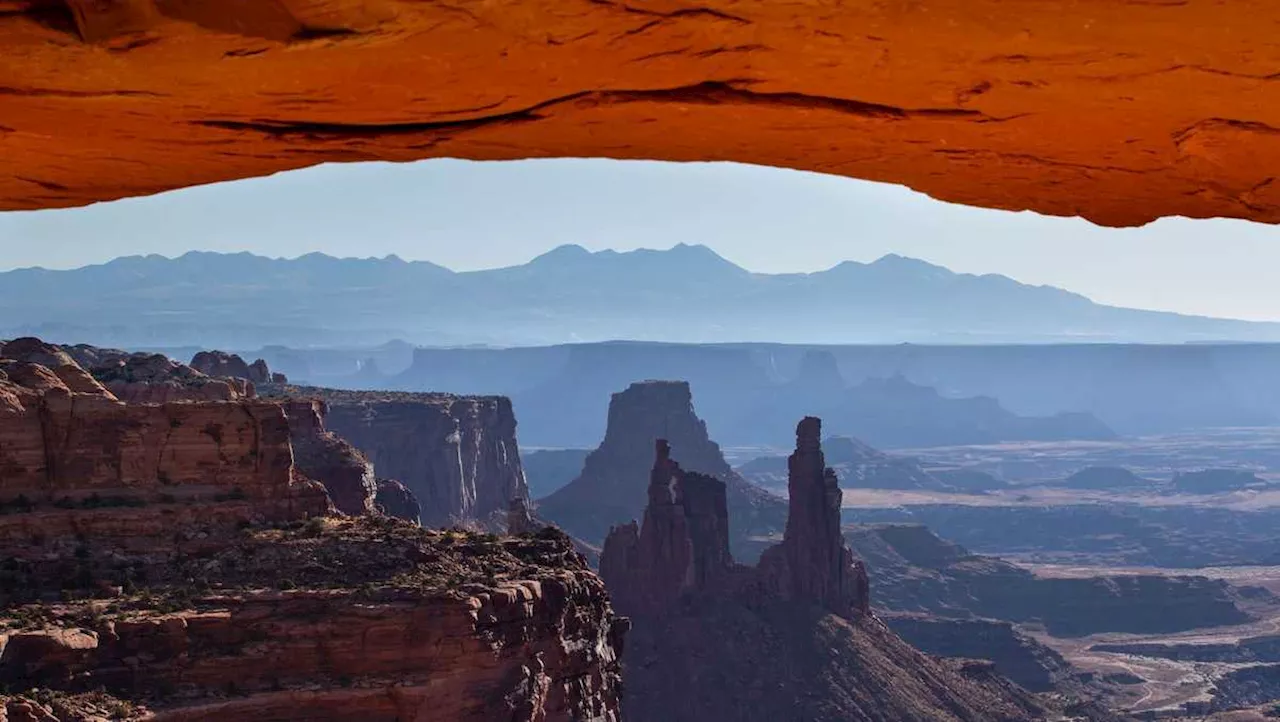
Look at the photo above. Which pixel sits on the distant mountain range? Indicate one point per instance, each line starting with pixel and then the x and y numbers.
pixel 685 294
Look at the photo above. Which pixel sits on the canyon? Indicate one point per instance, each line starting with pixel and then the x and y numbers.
pixel 174 561
pixel 458 455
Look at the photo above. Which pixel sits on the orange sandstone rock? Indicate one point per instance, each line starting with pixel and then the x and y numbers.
pixel 1121 111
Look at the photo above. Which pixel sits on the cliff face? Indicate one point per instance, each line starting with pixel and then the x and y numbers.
pixel 322 455
pixel 457 454
pixel 59 443
pixel 136 478
pixel 791 639
pixel 612 486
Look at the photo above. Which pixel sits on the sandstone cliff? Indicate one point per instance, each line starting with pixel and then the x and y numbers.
pixel 322 455
pixel 457 454
pixel 790 640
pixel 344 620
pixel 612 486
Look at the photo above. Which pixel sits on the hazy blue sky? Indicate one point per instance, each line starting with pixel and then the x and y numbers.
pixel 475 215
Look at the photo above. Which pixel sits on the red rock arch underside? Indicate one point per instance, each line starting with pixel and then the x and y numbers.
pixel 1121 111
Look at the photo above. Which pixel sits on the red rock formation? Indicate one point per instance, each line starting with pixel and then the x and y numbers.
pixel 33 350
pixel 165 552
pixel 791 639
pixel 84 465
pixel 417 626
pixel 156 379
pixel 221 364
pixel 457 454
pixel 322 455
pixel 612 486
pixel 1121 111
pixel 683 546
pixel 813 563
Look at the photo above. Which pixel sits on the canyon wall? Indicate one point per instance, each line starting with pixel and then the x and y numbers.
pixel 457 454
pixel 60 443
pixel 329 459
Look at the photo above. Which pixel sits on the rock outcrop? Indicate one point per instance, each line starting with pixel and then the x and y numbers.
pixel 612 487
pixel 157 379
pixel 348 619
pixel 1120 112
pixel 79 464
pixel 324 456
pixel 791 639
pixel 130 377
pixel 457 454
pixel 682 547
pixel 395 500
pixel 221 364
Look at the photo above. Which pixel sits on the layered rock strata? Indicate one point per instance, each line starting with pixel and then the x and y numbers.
pixel 613 483
pixel 791 639
pixel 344 620
pixel 79 464
pixel 324 456
pixel 171 562
pixel 1120 112
pixel 457 454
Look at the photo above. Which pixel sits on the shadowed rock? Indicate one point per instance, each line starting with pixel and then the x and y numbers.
pixel 813 562
pixel 613 486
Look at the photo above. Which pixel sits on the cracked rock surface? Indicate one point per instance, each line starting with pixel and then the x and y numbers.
pixel 1121 111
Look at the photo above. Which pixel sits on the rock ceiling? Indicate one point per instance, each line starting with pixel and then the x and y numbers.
pixel 1121 111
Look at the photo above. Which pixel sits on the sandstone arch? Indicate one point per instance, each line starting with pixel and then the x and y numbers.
pixel 1120 111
